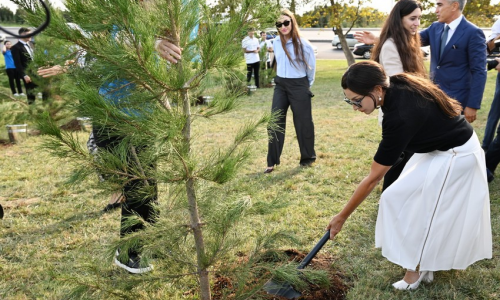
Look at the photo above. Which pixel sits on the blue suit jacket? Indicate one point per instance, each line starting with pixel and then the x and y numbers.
pixel 461 71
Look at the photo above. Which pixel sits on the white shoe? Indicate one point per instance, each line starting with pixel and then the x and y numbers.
pixel 22 94
pixel 39 95
pixel 16 95
pixel 133 265
pixel 426 276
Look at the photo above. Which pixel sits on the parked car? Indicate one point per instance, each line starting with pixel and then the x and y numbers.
pixel 351 41
pixel 271 33
pixel 363 50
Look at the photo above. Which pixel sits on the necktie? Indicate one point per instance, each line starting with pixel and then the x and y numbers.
pixel 444 38
pixel 30 51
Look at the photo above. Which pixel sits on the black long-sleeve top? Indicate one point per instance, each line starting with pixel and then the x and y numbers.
pixel 418 125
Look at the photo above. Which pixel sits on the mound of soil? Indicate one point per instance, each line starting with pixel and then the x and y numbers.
pixel 336 291
pixel 72 125
pixel 5 143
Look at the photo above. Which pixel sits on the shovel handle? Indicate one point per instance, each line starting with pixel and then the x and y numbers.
pixel 315 250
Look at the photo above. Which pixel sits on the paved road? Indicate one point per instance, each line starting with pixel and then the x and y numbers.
pixel 326 51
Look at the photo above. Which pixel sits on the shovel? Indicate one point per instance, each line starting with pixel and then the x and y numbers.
pixel 285 289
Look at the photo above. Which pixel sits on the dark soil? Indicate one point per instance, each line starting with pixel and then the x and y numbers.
pixel 336 291
pixel 5 143
pixel 72 125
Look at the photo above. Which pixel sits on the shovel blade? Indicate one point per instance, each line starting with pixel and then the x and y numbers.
pixel 281 289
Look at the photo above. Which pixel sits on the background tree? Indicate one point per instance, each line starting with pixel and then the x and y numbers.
pixel 320 17
pixel 480 12
pixel 6 15
pixel 193 235
pixel 345 12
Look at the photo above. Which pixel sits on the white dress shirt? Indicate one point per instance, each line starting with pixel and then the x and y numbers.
pixel 284 67
pixel 453 27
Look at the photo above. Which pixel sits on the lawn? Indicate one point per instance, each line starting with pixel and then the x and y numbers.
pixel 52 231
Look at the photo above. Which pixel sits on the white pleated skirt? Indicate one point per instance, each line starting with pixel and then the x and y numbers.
pixel 437 214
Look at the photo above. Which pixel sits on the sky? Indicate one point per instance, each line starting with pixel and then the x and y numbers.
pixel 383 5
pixel 12 6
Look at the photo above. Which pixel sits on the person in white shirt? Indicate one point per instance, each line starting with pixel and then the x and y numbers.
pixel 251 48
pixel 269 48
pixel 295 71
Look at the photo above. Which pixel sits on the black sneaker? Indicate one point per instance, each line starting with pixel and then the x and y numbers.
pixel 111 206
pixel 133 265
pixel 115 203
pixel 307 163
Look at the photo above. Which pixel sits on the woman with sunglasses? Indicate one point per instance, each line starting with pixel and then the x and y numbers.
pixel 295 68
pixel 399 51
pixel 436 216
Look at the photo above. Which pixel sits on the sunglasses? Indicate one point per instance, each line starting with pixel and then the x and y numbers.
pixel 355 102
pixel 278 24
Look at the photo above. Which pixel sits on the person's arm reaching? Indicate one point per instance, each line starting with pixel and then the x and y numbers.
pixel 366 37
pixel 366 186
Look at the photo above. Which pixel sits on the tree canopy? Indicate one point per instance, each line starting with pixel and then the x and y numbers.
pixel 480 12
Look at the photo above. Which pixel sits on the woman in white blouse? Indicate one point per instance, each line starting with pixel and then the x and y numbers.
pixel 295 68
pixel 398 51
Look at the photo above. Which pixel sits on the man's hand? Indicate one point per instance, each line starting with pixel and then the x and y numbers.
pixel 470 114
pixel 27 78
pixel 52 71
pixel 168 51
pixel 491 44
pixel 366 37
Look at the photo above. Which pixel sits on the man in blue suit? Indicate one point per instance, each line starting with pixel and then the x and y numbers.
pixel 458 55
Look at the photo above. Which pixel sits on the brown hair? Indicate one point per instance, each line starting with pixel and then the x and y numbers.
pixel 408 45
pixel 295 36
pixel 363 77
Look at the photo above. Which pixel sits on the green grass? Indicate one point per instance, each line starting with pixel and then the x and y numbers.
pixel 52 231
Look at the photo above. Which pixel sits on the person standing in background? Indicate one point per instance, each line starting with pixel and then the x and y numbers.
pixel 22 53
pixel 251 48
pixel 494 113
pixel 268 46
pixel 10 68
pixel 398 52
pixel 458 55
pixel 295 71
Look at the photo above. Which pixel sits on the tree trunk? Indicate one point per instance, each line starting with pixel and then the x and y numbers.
pixel 193 209
pixel 198 239
pixel 347 51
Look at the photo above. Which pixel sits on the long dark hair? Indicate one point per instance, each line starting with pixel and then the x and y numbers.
pixel 363 77
pixel 408 45
pixel 295 36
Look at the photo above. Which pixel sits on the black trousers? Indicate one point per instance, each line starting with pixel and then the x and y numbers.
pixel 14 81
pixel 493 153
pixel 294 93
pixel 136 201
pixel 255 69
pixel 30 92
